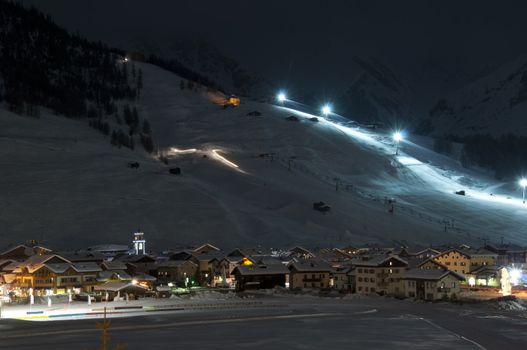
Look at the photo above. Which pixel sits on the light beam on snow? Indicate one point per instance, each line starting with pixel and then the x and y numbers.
pixel 183 151
pixel 216 155
pixel 404 160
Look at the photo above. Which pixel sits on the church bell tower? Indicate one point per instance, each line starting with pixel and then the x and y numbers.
pixel 139 243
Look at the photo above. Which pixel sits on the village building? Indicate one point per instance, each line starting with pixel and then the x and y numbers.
pixel 508 254
pixel 380 274
pixel 432 284
pixel 340 280
pixel 139 263
pixel 206 248
pixel 208 266
pixel 464 260
pixel 260 276
pixel 312 273
pixel 484 276
pixel 121 290
pixel 23 251
pixel 178 272
pixel 53 273
pixel 109 251
pixel 300 253
pixel 455 260
pixel 431 264
pixel 416 252
pixel 225 268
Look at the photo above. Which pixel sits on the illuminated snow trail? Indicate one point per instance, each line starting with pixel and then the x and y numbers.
pixel 182 151
pixel 224 160
pixel 214 154
pixel 426 172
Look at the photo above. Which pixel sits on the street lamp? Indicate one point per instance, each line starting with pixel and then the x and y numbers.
pixel 523 183
pixel 281 97
pixel 326 109
pixel 397 137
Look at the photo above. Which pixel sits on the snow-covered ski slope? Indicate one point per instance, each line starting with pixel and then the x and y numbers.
pixel 246 181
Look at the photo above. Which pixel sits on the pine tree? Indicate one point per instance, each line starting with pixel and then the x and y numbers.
pixel 106 129
pixel 135 118
pixel 114 141
pixel 139 80
pixel 148 143
pixel 127 115
pixel 146 127
pixel 182 85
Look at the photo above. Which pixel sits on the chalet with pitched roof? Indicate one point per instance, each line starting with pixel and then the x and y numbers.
pixel 309 274
pixel 380 274
pixel 432 284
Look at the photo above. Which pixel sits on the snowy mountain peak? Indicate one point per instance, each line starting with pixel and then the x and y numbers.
pixel 494 104
pixel 377 94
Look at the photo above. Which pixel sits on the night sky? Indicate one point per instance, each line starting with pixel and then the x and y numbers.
pixel 310 43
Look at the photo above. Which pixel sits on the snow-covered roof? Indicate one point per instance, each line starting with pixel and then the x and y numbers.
pixel 120 274
pixel 82 255
pixel 28 251
pixel 35 262
pixel 11 266
pixel 109 248
pixel 258 270
pixel 431 275
pixel 310 266
pixel 141 276
pixel 218 255
pixel 175 263
pixel 114 265
pixel 9 277
pixel 5 262
pixel 135 258
pixel 57 267
pixel 431 260
pixel 86 267
pixel 379 260
pixel 119 286
pixel 206 246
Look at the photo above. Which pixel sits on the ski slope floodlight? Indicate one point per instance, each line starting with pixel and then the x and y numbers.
pixel 515 276
pixel 281 97
pixel 326 109
pixel 397 137
pixel 523 184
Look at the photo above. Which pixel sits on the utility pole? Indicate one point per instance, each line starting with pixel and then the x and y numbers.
pixel 104 326
pixel 337 180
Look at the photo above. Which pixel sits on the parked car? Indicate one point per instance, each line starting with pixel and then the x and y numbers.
pixel 175 171
pixel 321 207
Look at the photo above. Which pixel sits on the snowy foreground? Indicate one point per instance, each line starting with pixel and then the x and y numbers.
pixel 288 321
pixel 246 181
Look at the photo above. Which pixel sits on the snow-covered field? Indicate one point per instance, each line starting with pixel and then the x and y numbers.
pixel 64 184
pixel 267 321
